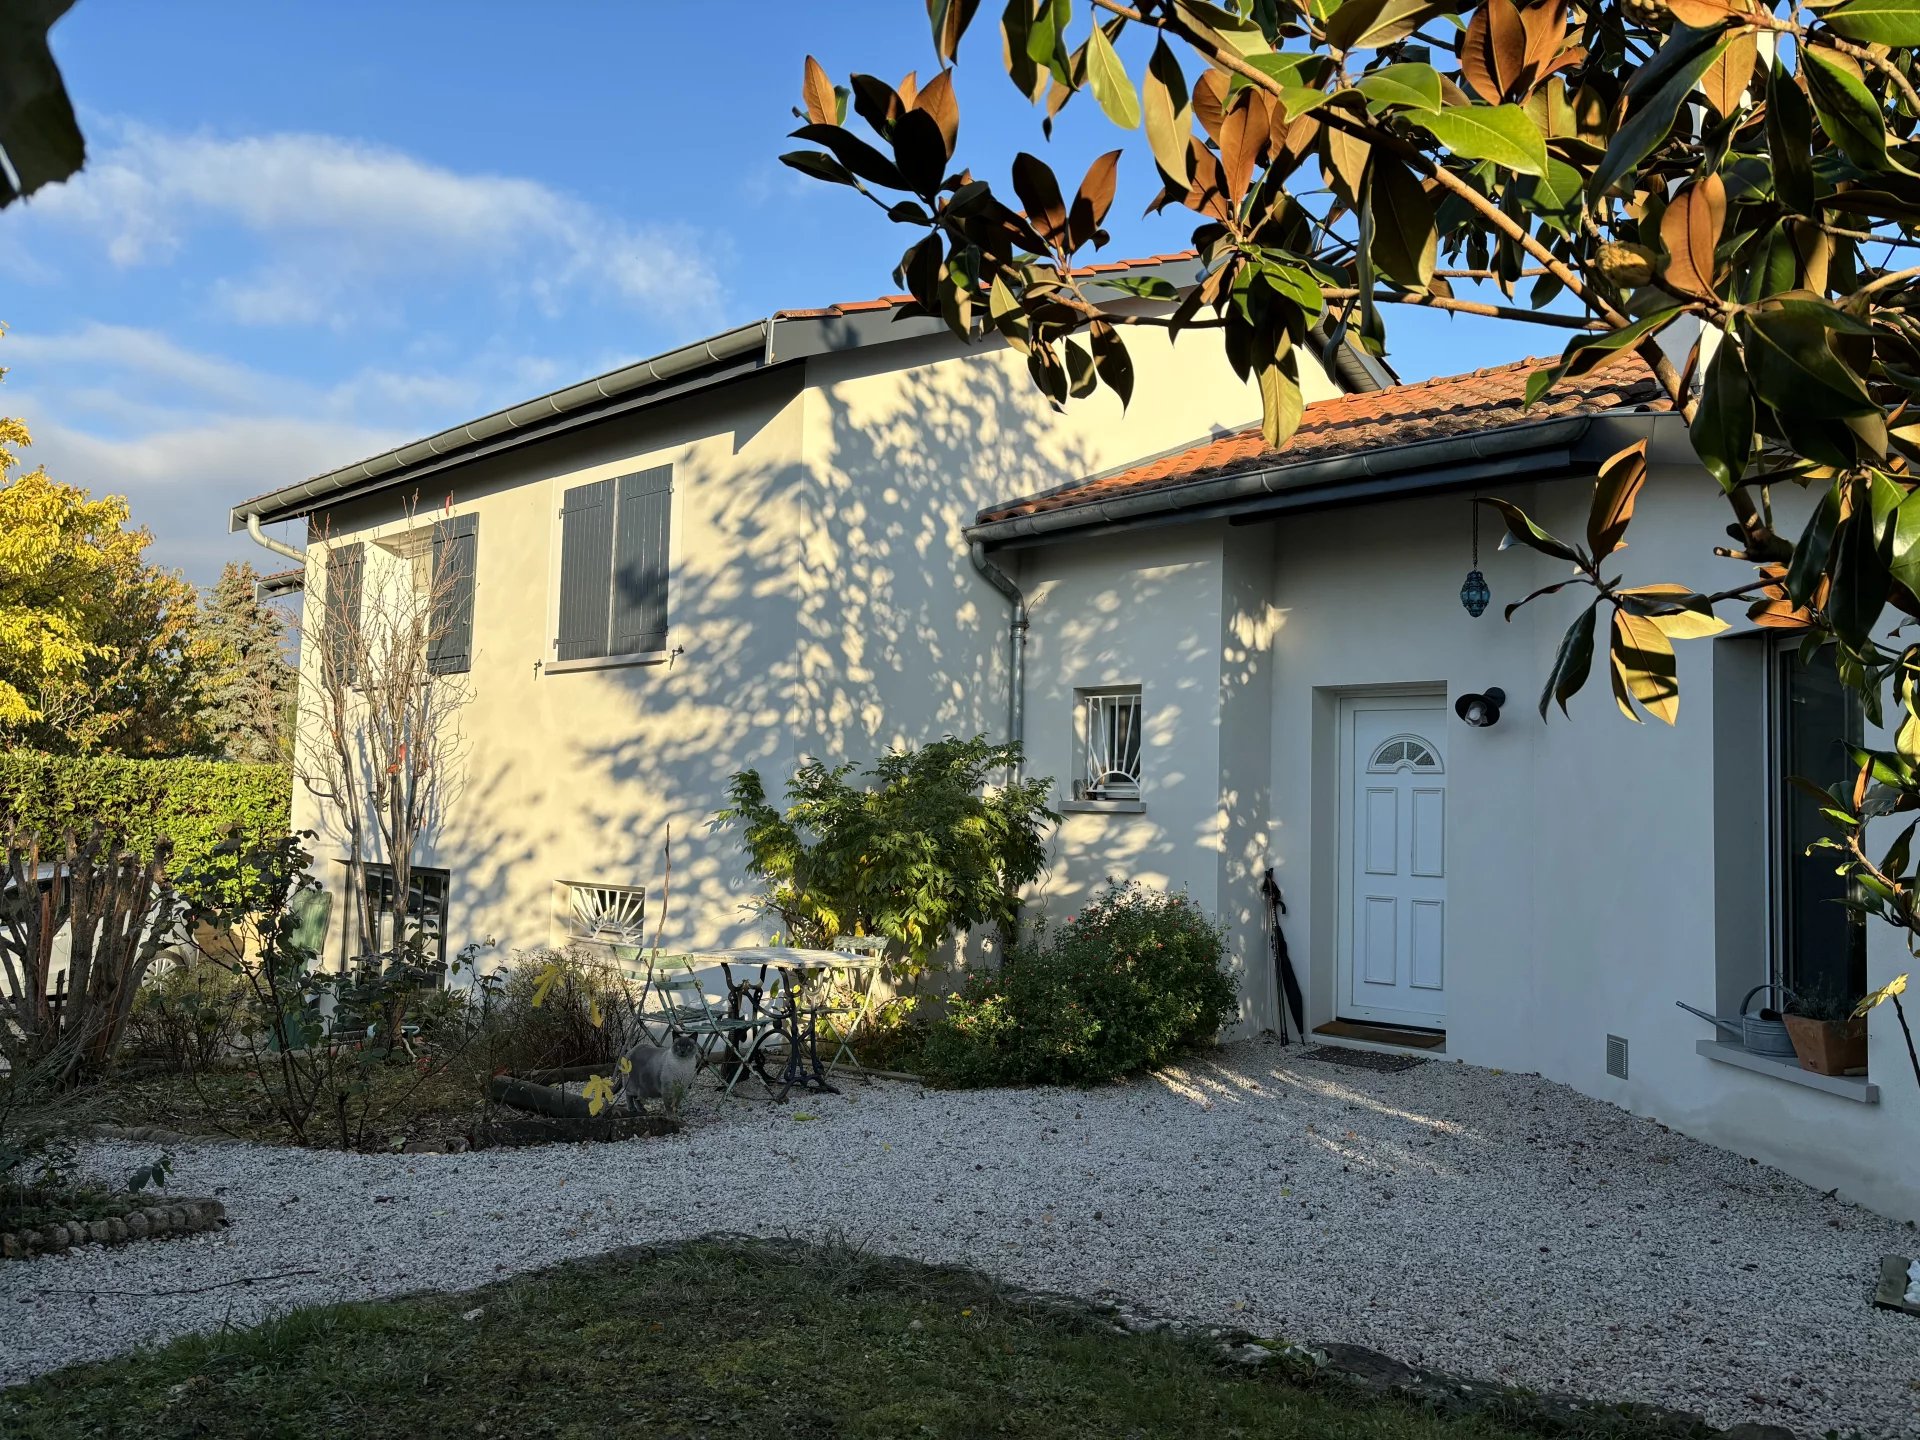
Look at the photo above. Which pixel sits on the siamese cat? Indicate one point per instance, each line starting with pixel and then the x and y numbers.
pixel 660 1072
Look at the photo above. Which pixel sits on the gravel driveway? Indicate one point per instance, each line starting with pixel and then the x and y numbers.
pixel 1453 1217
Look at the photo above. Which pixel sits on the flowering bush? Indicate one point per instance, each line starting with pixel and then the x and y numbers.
pixel 1130 981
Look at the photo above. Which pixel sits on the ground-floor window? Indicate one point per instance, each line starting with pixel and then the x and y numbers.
pixel 426 912
pixel 1107 739
pixel 1820 946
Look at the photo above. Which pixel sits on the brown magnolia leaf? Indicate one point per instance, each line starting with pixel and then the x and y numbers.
pixel 1546 32
pixel 1039 192
pixel 1290 141
pixel 1691 230
pixel 1209 194
pixel 1210 101
pixel 1726 81
pixel 909 88
pixel 1243 134
pixel 936 98
pixel 1614 494
pixel 1643 661
pixel 1493 52
pixel 816 89
pixel 1093 199
pixel 1705 14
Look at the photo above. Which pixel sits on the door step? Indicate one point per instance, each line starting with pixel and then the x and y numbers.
pixel 1383 1034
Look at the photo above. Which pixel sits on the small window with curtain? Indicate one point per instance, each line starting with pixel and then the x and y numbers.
pixel 615 542
pixel 1107 736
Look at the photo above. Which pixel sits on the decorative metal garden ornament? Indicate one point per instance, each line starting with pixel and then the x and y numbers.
pixel 1474 594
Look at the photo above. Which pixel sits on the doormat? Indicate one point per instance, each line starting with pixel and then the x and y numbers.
pixel 1362 1059
pixel 1382 1034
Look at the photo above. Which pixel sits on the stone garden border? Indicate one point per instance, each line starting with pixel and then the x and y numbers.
pixel 174 1217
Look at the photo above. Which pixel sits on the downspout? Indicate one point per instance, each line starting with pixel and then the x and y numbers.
pixel 279 547
pixel 1016 644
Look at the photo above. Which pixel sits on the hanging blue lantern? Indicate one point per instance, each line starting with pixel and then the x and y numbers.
pixel 1475 594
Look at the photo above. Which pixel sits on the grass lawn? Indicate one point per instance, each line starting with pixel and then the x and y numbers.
pixel 714 1339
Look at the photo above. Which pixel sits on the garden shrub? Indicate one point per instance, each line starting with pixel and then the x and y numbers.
pixel 193 804
pixel 924 847
pixel 551 1009
pixel 188 1012
pixel 1130 981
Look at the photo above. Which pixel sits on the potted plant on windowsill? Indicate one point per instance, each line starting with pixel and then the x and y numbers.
pixel 1828 1038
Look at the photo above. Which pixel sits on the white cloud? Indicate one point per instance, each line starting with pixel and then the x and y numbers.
pixel 336 218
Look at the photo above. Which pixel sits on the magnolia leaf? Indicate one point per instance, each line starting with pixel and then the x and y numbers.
pixel 1493 52
pixel 816 90
pixel 1521 530
pixel 1405 239
pixel 1503 134
pixel 1889 991
pixel 1681 614
pixel 1111 86
pixel 1857 575
pixel 949 19
pixel 1242 35
pixel 1081 378
pixel 1790 140
pixel 1586 353
pixel 1371 24
pixel 1876 22
pixel 1722 431
pixel 1810 555
pixel 1903 547
pixel 1281 404
pixel 1167 113
pixel 1727 79
pixel 1664 84
pixel 1572 664
pixel 821 167
pixel 1039 192
pixel 1644 661
pixel 1092 201
pixel 39 135
pixel 1614 495
pixel 1844 106
pixel 1111 360
pixel 1403 87
pixel 854 153
pixel 937 99
pixel 1691 232
pixel 1793 369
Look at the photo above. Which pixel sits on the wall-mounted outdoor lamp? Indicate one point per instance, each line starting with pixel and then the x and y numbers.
pixel 1481 711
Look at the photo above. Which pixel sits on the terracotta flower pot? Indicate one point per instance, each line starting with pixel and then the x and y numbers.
pixel 1829 1047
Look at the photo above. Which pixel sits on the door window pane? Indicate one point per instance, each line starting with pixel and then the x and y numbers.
pixel 1823 949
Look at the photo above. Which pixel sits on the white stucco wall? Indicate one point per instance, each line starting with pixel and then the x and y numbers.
pixel 1598 870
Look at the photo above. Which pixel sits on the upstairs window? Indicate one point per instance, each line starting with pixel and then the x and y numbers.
pixel 1107 735
pixel 614 541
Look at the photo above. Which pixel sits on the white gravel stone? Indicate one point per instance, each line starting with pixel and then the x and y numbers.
pixel 1454 1218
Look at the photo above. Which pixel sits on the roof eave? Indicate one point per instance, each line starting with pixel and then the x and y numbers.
pixel 1537 449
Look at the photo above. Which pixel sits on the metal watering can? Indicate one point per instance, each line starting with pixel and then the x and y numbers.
pixel 1757 1033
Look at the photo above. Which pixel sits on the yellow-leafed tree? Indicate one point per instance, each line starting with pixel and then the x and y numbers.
pixel 95 643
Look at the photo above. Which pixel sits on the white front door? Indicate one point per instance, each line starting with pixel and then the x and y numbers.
pixel 1393 955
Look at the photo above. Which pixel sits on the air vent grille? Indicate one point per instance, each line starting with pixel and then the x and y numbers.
pixel 1616 1057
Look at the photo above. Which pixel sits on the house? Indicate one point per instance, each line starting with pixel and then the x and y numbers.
pixel 834 530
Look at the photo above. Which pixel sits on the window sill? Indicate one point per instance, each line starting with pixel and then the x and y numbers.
pixel 1846 1087
pixel 1103 807
pixel 605 662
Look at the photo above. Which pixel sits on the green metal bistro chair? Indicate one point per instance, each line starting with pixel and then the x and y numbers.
pixel 680 1005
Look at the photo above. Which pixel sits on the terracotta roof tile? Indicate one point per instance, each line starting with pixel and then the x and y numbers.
pixel 888 302
pixel 1489 399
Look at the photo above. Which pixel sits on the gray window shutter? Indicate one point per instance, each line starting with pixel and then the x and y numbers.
pixel 345 564
pixel 640 561
pixel 586 570
pixel 450 646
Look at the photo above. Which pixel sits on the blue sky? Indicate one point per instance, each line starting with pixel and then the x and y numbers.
pixel 307 233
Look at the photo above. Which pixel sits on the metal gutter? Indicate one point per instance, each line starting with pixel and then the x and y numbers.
pixel 1536 447
pixel 755 339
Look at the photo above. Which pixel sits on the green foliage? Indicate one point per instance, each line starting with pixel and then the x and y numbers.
pixel 923 849
pixel 551 1009
pixel 192 804
pixel 1130 981
pixel 187 1013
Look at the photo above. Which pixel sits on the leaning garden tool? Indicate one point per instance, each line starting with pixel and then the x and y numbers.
pixel 1762 1031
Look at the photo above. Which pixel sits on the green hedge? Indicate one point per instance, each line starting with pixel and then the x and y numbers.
pixel 193 803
